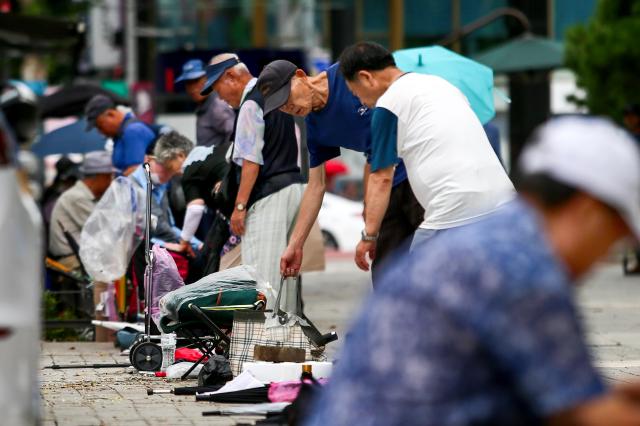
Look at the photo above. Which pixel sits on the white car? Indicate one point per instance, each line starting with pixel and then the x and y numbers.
pixel 341 222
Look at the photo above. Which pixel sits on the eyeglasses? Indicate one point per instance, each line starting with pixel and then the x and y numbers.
pixel 362 110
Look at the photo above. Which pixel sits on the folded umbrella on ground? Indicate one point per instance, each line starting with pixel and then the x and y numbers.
pixel 259 409
pixel 245 396
pixel 184 390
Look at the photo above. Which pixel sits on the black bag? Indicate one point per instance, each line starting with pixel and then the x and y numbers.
pixel 216 371
pixel 225 198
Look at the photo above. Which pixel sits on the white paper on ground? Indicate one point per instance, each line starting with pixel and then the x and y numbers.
pixel 267 372
pixel 242 382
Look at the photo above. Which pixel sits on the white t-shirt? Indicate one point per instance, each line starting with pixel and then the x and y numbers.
pixel 452 169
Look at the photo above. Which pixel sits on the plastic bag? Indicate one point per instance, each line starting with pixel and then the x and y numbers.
pixel 175 371
pixel 113 231
pixel 240 278
pixel 166 278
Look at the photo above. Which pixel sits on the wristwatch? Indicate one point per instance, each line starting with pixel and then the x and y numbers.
pixel 370 238
pixel 240 207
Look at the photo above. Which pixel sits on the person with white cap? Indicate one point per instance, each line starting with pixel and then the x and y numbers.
pixel 214 117
pixel 75 205
pixel 482 328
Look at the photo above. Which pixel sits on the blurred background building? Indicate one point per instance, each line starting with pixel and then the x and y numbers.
pixel 136 47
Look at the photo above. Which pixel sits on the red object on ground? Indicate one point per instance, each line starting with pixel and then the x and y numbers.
pixel 335 167
pixel 161 374
pixel 189 355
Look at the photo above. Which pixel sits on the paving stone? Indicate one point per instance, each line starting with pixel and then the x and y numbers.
pixel 609 302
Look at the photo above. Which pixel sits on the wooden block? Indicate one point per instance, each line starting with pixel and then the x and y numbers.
pixel 278 354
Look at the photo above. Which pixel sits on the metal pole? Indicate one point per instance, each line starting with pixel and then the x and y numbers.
pixel 259 23
pixel 455 23
pixel 396 24
pixel 131 42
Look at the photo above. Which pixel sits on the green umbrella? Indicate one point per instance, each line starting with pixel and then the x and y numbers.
pixel 527 52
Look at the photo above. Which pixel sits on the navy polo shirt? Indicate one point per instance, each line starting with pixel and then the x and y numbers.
pixel 343 123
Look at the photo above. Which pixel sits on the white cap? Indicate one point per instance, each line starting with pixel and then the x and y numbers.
pixel 592 155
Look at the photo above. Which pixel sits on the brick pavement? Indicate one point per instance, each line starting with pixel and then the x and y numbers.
pixel 610 304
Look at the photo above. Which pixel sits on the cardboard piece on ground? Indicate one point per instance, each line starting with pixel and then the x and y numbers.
pixel 278 354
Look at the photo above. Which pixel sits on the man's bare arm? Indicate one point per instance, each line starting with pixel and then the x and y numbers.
pixel 248 177
pixel 377 198
pixel 291 259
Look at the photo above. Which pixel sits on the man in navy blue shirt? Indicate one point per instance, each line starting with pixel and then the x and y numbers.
pixel 481 328
pixel 335 119
pixel 131 137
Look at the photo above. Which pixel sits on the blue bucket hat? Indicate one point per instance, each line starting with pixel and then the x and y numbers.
pixel 191 70
pixel 215 71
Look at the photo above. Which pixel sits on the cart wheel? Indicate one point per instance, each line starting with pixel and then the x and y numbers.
pixel 140 339
pixel 146 356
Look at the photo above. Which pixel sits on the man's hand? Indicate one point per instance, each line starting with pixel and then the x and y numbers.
pixel 364 248
pixel 291 261
pixel 237 221
pixel 185 247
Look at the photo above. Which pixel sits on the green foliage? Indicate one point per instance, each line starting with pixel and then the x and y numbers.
pixel 56 8
pixel 52 310
pixel 605 55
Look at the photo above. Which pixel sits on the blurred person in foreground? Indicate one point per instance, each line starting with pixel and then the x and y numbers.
pixel 131 137
pixel 270 186
pixel 20 263
pixel 76 204
pixel 214 117
pixel 335 119
pixel 482 329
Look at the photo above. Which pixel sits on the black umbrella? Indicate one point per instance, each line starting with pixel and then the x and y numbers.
pixel 246 396
pixel 70 100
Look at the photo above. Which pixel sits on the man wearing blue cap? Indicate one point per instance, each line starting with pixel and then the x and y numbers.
pixel 214 117
pixel 270 184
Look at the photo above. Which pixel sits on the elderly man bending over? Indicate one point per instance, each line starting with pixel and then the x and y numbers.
pixel 270 184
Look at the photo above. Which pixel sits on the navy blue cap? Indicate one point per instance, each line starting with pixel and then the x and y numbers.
pixel 215 71
pixel 191 70
pixel 96 106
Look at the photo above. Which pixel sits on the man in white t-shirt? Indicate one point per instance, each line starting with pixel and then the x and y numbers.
pixel 428 123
